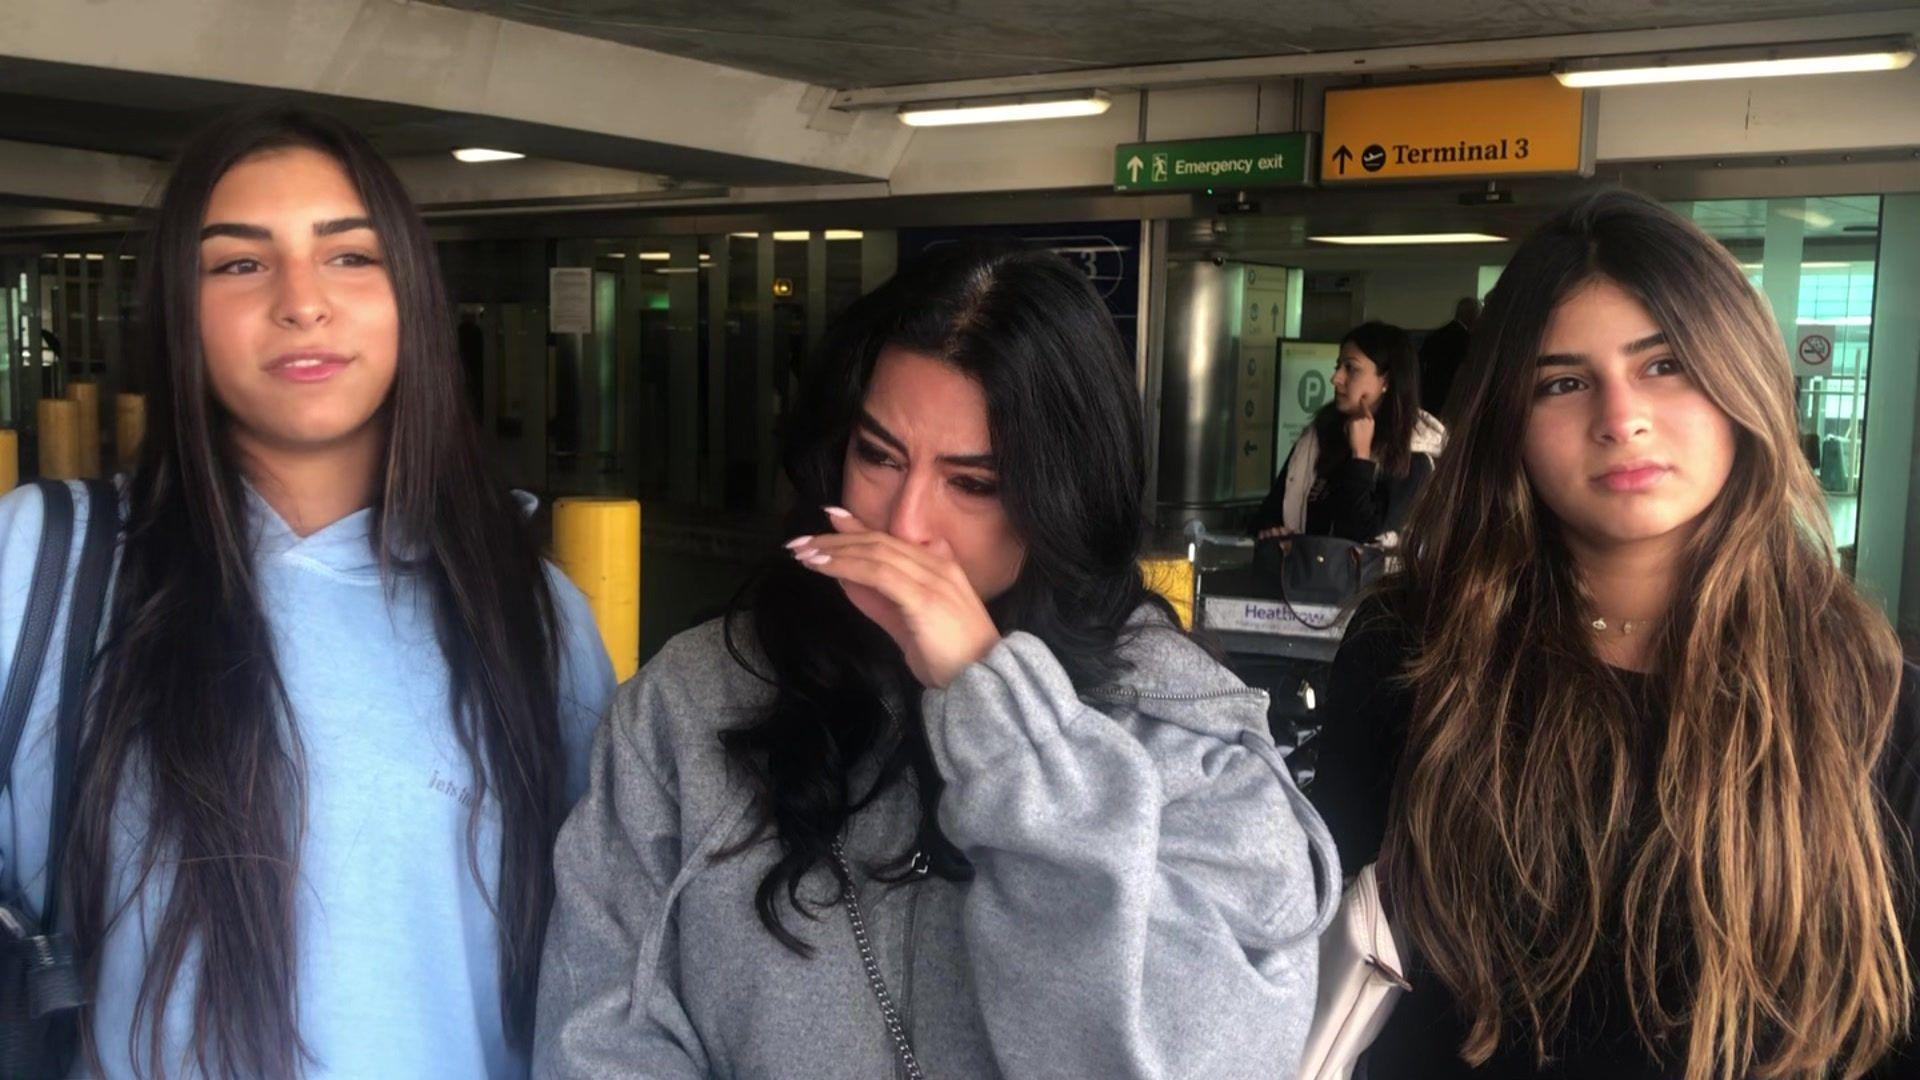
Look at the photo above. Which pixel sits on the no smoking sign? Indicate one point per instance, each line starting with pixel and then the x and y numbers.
pixel 1813 352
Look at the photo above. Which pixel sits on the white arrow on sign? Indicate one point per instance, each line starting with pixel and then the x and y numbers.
pixel 1134 165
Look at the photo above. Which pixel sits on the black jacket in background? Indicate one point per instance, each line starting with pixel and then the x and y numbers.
pixel 1441 355
pixel 1357 500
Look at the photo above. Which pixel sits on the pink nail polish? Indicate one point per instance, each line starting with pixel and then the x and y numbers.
pixel 799 542
pixel 818 558
pixel 837 512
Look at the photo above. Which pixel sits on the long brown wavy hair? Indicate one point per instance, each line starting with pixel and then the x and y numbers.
pixel 1745 879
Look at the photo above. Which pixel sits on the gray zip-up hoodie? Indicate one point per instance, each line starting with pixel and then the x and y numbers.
pixel 1142 901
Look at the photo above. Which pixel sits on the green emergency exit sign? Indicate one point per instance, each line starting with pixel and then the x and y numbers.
pixel 1244 161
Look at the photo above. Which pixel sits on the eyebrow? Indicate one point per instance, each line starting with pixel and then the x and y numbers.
pixel 879 431
pixel 1651 341
pixel 261 232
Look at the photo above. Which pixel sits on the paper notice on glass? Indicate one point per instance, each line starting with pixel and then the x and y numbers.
pixel 570 300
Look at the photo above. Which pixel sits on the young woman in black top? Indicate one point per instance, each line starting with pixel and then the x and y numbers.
pixel 1356 469
pixel 1637 762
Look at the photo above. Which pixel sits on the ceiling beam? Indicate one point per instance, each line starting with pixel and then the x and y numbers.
pixel 56 176
pixel 1514 52
pixel 697 116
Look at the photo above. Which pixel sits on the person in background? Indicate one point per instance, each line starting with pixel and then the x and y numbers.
pixel 342 704
pixel 1355 471
pixel 950 793
pixel 1442 353
pixel 1640 767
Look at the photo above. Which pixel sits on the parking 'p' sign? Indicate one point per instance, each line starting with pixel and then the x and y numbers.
pixel 1813 351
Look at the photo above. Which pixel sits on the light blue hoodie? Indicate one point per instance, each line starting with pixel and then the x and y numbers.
pixel 398 970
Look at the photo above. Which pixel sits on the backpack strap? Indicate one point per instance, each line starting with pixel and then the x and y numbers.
pixel 83 638
pixel 36 628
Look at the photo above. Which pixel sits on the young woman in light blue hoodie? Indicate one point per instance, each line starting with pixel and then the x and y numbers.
pixel 341 706
pixel 951 794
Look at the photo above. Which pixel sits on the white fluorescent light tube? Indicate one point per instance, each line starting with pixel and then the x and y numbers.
pixel 791 235
pixel 1805 266
pixel 1413 238
pixel 989 111
pixel 474 155
pixel 1838 60
pixel 654 256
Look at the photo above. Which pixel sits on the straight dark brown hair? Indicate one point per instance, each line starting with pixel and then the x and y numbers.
pixel 189 721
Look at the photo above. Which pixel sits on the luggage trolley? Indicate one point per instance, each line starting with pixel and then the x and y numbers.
pixel 1284 648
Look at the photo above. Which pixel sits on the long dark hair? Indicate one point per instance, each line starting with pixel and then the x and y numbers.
pixel 189 715
pixel 1756 920
pixel 1065 423
pixel 1392 353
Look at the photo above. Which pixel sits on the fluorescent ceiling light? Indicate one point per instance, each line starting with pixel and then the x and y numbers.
pixel 654 256
pixel 791 235
pixel 1002 110
pixel 1820 58
pixel 474 155
pixel 1414 238
pixel 1805 266
pixel 1812 217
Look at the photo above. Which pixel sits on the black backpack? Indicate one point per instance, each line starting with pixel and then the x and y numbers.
pixel 40 986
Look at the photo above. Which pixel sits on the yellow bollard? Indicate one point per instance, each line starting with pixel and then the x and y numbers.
pixel 59 439
pixel 9 460
pixel 86 394
pixel 1172 577
pixel 596 541
pixel 129 427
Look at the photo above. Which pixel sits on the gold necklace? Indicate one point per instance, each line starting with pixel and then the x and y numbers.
pixel 1626 626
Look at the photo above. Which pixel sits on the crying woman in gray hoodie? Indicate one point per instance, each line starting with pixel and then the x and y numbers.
pixel 949 793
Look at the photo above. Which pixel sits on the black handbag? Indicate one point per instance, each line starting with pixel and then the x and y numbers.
pixel 1323 570
pixel 40 985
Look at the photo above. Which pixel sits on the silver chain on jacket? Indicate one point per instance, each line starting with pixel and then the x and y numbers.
pixel 896 1029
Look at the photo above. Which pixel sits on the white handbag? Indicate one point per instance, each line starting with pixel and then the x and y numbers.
pixel 1361 980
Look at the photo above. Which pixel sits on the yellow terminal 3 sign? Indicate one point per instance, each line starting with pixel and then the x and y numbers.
pixel 1489 127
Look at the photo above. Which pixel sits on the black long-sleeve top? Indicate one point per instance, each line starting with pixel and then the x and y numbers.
pixel 1359 751
pixel 1351 498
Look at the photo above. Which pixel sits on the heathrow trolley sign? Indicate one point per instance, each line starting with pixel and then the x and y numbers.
pixel 1526 126
pixel 1235 164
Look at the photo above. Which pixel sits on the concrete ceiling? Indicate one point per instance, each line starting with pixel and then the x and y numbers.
pixel 148 116
pixel 849 44
pixel 142 115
